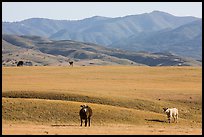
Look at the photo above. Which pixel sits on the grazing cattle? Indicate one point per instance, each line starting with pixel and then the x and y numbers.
pixel 28 63
pixel 20 63
pixel 171 112
pixel 71 63
pixel 85 114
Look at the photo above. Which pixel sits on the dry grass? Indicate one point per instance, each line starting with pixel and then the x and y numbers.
pixel 117 94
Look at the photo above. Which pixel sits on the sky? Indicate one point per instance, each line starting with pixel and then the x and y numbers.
pixel 18 11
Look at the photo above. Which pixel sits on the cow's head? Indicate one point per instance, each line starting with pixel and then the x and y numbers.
pixel 84 106
pixel 165 109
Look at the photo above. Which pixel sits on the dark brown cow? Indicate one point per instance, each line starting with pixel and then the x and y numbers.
pixel 71 63
pixel 20 63
pixel 85 114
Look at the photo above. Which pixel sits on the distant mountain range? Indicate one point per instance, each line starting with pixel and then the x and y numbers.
pixel 45 52
pixel 149 32
pixel 185 40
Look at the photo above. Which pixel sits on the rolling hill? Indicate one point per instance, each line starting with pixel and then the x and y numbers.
pixel 42 51
pixel 127 95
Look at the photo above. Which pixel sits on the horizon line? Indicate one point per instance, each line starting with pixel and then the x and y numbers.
pixel 98 16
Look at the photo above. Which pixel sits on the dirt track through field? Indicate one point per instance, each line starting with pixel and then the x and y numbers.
pixel 73 129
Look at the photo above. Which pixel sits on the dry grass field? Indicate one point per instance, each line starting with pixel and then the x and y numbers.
pixel 124 99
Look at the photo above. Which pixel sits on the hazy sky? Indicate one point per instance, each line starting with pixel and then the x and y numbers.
pixel 17 11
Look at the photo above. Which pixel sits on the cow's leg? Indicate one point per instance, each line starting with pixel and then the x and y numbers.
pixel 89 121
pixel 176 118
pixel 85 122
pixel 168 118
pixel 81 122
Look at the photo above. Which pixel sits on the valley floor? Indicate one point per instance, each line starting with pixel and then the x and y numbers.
pixel 125 100
pixel 74 129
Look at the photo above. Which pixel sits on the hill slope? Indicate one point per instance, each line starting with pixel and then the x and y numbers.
pixel 43 51
pixel 185 40
pixel 118 94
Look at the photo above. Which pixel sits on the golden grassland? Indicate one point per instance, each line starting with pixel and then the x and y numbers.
pixel 132 95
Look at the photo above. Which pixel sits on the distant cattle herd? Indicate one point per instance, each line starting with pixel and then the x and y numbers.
pixel 28 63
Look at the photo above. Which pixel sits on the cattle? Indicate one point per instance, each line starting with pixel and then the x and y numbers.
pixel 171 112
pixel 85 114
pixel 71 63
pixel 20 63
pixel 28 63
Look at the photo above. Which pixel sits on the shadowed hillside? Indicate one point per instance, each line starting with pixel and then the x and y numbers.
pixel 42 51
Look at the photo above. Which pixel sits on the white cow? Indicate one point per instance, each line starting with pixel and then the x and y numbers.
pixel 171 112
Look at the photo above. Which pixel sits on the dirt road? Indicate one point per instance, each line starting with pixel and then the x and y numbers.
pixel 73 129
